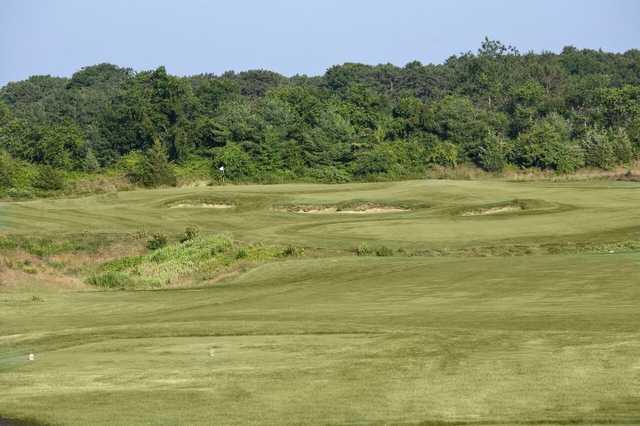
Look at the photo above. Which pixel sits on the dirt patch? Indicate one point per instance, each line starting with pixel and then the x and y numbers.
pixel 493 210
pixel 201 206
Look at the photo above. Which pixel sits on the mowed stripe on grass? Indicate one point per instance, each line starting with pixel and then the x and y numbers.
pixel 341 340
pixel 542 339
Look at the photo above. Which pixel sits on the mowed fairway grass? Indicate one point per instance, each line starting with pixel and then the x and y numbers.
pixel 454 328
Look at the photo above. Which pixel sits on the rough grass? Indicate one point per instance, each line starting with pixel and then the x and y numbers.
pixel 192 261
pixel 424 317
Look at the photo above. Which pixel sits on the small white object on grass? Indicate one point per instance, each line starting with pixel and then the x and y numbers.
pixel 212 352
pixel 31 357
pixel 221 169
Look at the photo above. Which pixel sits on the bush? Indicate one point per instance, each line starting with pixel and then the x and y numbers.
pixel 7 170
pixel 494 153
pixel 49 179
pixel 329 174
pixel 157 241
pixel 242 253
pixel 131 165
pixel 363 250
pixel 599 149
pixel 622 146
pixel 443 154
pixel 236 161
pixel 151 169
pixel 395 159
pixel 156 170
pixel 548 145
pixel 384 251
pixel 110 279
pixel 190 233
pixel 292 251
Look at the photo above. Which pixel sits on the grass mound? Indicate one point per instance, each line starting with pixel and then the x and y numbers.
pixel 199 259
pixel 511 207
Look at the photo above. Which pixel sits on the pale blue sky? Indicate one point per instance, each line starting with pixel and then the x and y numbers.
pixel 292 36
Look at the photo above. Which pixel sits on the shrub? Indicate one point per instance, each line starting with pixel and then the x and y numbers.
pixel 49 179
pixel 548 146
pixel 110 279
pixel 241 253
pixel 443 154
pixel 150 169
pixel 329 174
pixel 292 251
pixel 363 250
pixel 494 153
pixel 156 170
pixel 237 162
pixel 190 233
pixel 90 162
pixel 599 149
pixel 157 241
pixel 7 170
pixel 622 146
pixel 384 251
pixel 20 193
pixel 131 165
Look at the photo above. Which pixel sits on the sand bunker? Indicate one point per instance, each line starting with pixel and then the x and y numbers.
pixel 493 210
pixel 201 206
pixel 364 209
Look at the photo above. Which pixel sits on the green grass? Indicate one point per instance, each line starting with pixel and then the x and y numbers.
pixel 526 317
pixel 589 211
pixel 189 260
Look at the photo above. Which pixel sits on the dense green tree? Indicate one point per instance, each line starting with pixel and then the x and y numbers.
pixel 7 170
pixel 154 170
pixel 548 145
pixel 49 178
pixel 495 152
pixel 236 162
pixel 491 107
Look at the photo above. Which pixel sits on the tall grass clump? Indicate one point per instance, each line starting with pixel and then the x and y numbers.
pixel 199 258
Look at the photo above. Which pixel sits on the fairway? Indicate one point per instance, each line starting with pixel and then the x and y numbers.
pixel 502 303
pixel 561 212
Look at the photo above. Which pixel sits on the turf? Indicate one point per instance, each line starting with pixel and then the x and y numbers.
pixel 432 335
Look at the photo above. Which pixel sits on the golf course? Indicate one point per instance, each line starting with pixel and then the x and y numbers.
pixel 433 302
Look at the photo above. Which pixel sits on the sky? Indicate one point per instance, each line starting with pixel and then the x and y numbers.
pixel 58 37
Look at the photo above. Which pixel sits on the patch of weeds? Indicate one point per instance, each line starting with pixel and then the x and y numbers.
pixel 110 280
pixel 47 246
pixel 140 235
pixel 157 241
pixel 195 260
pixel 37 299
pixel 190 233
pixel 384 251
pixel 56 264
pixel 363 250
pixel 292 251
pixel 241 253
pixel 8 242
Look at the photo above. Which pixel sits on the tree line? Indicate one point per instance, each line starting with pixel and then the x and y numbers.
pixel 495 108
